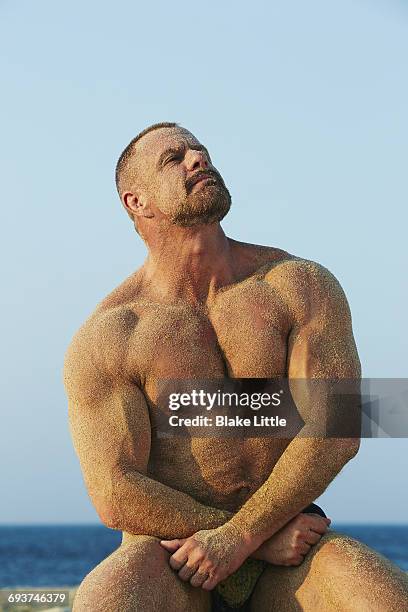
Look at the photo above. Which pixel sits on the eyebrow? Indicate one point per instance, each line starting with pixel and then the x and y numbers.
pixel 182 146
pixel 167 152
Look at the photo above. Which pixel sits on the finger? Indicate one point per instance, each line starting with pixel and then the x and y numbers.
pixel 304 548
pixel 326 519
pixel 187 571
pixel 312 537
pixel 199 578
pixel 317 523
pixel 319 516
pixel 179 558
pixel 210 583
pixel 172 545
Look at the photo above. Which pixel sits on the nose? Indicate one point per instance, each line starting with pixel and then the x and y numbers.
pixel 195 160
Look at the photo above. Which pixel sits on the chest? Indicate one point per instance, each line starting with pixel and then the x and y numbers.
pixel 242 334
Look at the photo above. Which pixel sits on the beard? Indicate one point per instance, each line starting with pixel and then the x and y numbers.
pixel 208 205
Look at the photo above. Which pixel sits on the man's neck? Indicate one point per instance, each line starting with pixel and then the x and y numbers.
pixel 189 263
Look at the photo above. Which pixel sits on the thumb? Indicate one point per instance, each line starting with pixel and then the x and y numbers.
pixel 172 545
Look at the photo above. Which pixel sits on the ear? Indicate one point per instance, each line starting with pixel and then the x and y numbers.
pixel 136 205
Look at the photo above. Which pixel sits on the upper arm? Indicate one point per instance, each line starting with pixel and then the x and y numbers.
pixel 323 365
pixel 109 421
pixel 321 342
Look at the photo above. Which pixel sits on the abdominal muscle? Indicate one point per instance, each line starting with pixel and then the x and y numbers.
pixel 218 472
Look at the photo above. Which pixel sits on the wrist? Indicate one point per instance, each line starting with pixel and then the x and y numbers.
pixel 250 540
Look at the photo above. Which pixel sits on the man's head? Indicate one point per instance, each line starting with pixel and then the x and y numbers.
pixel 166 173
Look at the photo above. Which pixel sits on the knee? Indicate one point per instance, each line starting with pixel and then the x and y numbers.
pixel 144 552
pixel 340 552
pixel 139 556
pixel 350 567
pixel 135 563
pixel 331 543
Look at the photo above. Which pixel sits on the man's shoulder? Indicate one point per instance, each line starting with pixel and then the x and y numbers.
pixel 113 314
pixel 297 277
pixel 305 285
pixel 126 292
pixel 300 271
pixel 98 349
pixel 274 263
pixel 270 259
pixel 257 255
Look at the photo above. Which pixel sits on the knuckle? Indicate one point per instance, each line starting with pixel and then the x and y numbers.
pixel 190 567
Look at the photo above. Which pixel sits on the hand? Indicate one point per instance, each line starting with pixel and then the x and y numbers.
pixel 209 556
pixel 290 545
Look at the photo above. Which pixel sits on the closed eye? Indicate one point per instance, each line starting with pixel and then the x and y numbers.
pixel 171 158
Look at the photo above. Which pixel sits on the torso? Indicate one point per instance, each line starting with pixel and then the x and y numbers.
pixel 243 333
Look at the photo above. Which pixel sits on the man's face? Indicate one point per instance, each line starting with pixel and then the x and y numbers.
pixel 178 178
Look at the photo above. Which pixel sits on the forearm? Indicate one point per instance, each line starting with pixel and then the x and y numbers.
pixel 141 505
pixel 304 471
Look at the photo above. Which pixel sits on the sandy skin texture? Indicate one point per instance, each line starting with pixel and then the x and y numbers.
pixel 204 306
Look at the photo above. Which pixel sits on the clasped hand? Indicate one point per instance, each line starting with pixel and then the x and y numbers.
pixel 209 556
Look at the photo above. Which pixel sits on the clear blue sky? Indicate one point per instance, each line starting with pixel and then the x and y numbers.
pixel 303 106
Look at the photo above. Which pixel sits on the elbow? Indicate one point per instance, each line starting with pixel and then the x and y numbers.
pixel 109 518
pixel 354 447
pixel 107 512
pixel 348 449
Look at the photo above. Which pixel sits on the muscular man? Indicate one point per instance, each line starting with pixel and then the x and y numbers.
pixel 199 513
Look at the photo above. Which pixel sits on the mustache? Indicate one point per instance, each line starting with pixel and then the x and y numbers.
pixel 192 180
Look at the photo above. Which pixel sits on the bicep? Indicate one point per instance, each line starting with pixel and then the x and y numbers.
pixel 110 428
pixel 324 368
pixel 323 345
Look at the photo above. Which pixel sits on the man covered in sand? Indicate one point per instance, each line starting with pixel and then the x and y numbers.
pixel 212 523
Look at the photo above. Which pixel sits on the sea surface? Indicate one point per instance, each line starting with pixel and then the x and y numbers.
pixel 63 555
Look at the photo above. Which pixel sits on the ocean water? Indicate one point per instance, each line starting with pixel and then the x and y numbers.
pixel 63 555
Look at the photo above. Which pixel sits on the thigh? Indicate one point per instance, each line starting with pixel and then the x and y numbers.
pixel 339 573
pixel 137 578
